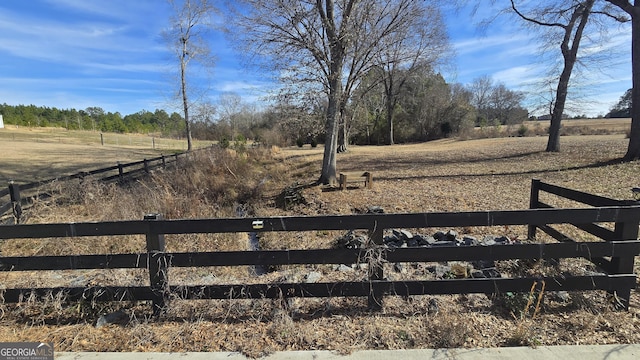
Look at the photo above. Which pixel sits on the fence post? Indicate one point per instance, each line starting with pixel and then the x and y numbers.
pixel 16 201
pixel 533 204
pixel 627 230
pixel 375 263
pixel 164 161
pixel 120 173
pixel 158 266
pixel 146 165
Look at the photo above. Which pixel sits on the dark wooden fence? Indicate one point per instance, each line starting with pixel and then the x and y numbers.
pixel 121 172
pixel 615 253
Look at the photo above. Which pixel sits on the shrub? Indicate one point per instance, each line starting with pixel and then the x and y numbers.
pixel 314 143
pixel 300 142
pixel 522 130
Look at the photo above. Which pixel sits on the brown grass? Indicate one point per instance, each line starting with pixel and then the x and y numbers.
pixel 446 175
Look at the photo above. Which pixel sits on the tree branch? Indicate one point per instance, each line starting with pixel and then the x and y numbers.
pixel 538 22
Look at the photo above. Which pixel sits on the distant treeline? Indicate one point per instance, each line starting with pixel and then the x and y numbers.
pixel 93 118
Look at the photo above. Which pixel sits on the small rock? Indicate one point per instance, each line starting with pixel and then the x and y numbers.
pixel 451 235
pixel 412 243
pixel 477 274
pixel 502 240
pixel 561 296
pixel 470 241
pixel 442 270
pixel 406 234
pixel 312 277
pixel 424 240
pixel 445 243
pixel 344 268
pixel 439 235
pixel 483 264
pixel 375 210
pixel 491 273
pixel 118 317
pixel 433 307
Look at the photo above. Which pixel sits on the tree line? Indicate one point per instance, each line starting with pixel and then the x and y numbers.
pixel 94 118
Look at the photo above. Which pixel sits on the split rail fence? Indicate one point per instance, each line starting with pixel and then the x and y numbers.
pixel 121 172
pixel 614 253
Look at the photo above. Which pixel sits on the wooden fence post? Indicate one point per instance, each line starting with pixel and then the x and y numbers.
pixel 533 204
pixel 164 161
pixel 120 173
pixel 375 264
pixel 146 165
pixel 16 201
pixel 627 230
pixel 158 266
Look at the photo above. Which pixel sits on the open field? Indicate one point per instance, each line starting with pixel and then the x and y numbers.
pixel 33 154
pixel 445 175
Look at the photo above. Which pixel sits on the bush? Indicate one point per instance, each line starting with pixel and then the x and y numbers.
pixel 224 143
pixel 522 130
pixel 300 142
pixel 314 143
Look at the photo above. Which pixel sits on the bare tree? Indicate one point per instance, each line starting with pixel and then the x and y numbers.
pixel 421 41
pixel 190 22
pixel 571 18
pixel 633 151
pixel 332 43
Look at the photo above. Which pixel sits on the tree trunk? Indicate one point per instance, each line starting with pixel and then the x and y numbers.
pixel 633 151
pixel 185 102
pixel 569 49
pixel 328 175
pixel 553 145
pixel 390 121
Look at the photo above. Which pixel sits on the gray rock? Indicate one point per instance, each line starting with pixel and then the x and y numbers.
pixel 483 264
pixel 412 243
pixel 451 235
pixel 470 241
pixel 442 270
pixel 312 277
pixel 375 210
pixel 118 317
pixel 433 307
pixel 503 240
pixel 444 243
pixel 560 296
pixel 439 235
pixel 406 234
pixel 477 274
pixel 491 273
pixel 488 241
pixel 424 240
pixel 344 268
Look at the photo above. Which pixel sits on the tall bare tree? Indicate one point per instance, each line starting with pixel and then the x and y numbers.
pixel 186 38
pixel 332 43
pixel 571 19
pixel 633 151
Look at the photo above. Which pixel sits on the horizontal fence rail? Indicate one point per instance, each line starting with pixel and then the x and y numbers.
pixel 614 253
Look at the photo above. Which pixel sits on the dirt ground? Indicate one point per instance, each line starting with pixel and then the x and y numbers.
pixel 445 175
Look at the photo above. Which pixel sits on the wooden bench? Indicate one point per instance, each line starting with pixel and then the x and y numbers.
pixel 356 176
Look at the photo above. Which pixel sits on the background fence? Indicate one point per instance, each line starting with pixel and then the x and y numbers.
pixel 15 196
pixel 615 252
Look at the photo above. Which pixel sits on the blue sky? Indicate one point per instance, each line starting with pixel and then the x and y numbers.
pixel 81 53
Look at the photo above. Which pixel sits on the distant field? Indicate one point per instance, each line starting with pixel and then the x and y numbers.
pixel 612 125
pixel 32 154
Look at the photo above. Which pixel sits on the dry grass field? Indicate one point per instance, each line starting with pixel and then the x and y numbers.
pixel 445 175
pixel 33 154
